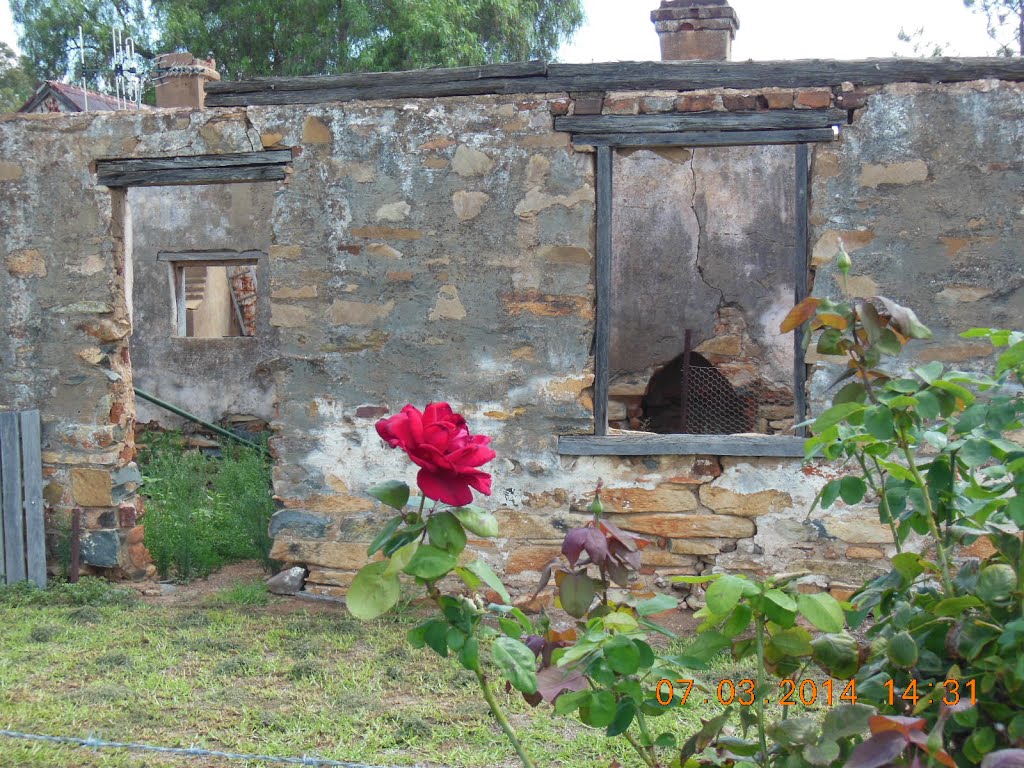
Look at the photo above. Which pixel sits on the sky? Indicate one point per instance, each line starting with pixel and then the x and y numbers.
pixel 621 30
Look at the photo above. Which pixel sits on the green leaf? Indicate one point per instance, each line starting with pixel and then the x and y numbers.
pixel 599 710
pixel 929 372
pixel 624 714
pixel 570 702
pixel 622 655
pixel 829 342
pixel 846 720
pixel 822 610
pixel 394 493
pixel 707 646
pixel 383 535
pixel 469 654
pixel 779 607
pixel 851 393
pixel 825 753
pixel 656 604
pixel 401 558
pixel 722 596
pixel 619 621
pixel 446 532
pixel 518 664
pixel 852 489
pixel 908 565
pixel 478 521
pixel 954 606
pixel 435 635
pixel 974 453
pixel 888 342
pixel 490 578
pixel 878 422
pixel 738 620
pixel 829 493
pixel 430 563
pixel 928 405
pixel 795 641
pixel 835 415
pixel 373 591
pixel 575 592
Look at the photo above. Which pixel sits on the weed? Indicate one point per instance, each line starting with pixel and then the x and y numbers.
pixel 241 594
pixel 85 614
pixel 89 591
pixel 204 512
pixel 236 667
pixel 193 619
pixel 306 670
pixel 43 633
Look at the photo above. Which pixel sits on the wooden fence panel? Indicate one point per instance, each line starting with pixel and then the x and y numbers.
pixel 22 537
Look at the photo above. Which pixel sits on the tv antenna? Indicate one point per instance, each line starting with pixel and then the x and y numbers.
pixel 128 71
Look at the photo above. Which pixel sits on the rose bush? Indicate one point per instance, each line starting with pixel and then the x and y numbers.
pixel 438 441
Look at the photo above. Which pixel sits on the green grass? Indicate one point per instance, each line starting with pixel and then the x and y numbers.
pixel 238 675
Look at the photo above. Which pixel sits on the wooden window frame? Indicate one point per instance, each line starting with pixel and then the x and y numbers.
pixel 608 133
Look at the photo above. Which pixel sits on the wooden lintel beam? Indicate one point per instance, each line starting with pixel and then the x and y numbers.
pixel 680 445
pixel 219 257
pixel 195 176
pixel 702 121
pixel 706 138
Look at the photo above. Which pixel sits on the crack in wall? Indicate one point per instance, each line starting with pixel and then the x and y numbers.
pixel 700 232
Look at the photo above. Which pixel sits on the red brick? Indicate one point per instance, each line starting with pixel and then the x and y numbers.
pixel 625 105
pixel 559 107
pixel 744 102
pixel 819 99
pixel 694 103
pixel 779 100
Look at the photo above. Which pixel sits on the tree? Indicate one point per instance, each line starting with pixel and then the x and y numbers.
pixel 258 37
pixel 1005 23
pixel 49 37
pixel 16 84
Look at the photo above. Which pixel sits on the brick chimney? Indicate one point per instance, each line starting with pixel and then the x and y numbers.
pixel 695 29
pixel 182 78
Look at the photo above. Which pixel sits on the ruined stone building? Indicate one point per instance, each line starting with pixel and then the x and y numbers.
pixel 534 244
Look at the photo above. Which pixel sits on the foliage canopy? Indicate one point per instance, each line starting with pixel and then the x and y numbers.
pixel 252 38
pixel 1005 23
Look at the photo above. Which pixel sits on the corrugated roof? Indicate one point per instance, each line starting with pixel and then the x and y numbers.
pixel 73 98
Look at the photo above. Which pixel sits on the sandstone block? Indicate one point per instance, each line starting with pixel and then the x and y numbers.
pixel 827 246
pixel 564 254
pixel 955 294
pixel 101 548
pixel 667 497
pixel 287 582
pixel 285 251
pixel 448 305
pixel 864 553
pixel 533 302
pixel 730 502
pixel 270 139
pixel 26 263
pixel 299 292
pixel 684 526
pixel 471 162
pixel 954 352
pixel 909 172
pixel 91 487
pixel 357 312
pixel 10 171
pixel 321 579
pixel 721 345
pixel 330 554
pixel 383 251
pixel 468 205
pixel 288 316
pixel 857 527
pixel 394 211
pixel 387 233
pixel 531 558
pixel 697 547
pixel 315 131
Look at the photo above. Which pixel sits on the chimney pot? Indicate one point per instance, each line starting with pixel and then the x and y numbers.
pixel 695 29
pixel 183 81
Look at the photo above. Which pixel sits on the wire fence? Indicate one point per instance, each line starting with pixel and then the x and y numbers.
pixel 93 742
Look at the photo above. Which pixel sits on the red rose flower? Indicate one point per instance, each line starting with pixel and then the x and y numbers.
pixel 438 441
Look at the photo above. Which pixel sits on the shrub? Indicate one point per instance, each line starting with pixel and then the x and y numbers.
pixel 202 512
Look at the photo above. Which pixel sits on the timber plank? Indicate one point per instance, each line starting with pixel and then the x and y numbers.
pixel 526 69
pixel 684 445
pixel 702 121
pixel 535 77
pixel 32 473
pixel 603 279
pixel 706 138
pixel 185 162
pixel 197 176
pixel 11 499
pixel 213 257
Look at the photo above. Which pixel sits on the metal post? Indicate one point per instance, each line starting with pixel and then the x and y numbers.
pixel 76 546
pixel 684 394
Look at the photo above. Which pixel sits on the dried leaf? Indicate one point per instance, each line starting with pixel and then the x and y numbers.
pixel 800 314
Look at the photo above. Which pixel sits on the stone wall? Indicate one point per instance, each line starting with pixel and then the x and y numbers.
pixel 442 249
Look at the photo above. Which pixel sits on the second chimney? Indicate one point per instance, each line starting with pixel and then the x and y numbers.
pixel 695 29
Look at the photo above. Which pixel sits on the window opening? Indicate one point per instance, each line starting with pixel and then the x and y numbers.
pixel 214 294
